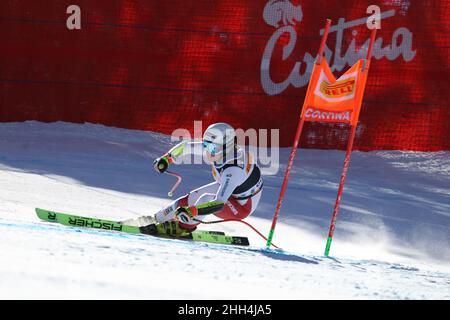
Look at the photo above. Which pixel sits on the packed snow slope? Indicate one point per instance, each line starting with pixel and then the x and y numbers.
pixel 392 239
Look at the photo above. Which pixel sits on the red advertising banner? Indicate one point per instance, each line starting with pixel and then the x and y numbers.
pixel 160 65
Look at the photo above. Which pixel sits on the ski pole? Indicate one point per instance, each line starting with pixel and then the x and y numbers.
pixel 175 186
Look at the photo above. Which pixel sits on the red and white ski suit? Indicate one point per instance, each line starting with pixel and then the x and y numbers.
pixel 234 194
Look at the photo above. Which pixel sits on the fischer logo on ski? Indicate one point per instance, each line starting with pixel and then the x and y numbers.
pixel 94 224
pixel 218 237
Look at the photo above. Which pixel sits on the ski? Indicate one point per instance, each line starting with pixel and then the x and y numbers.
pixel 102 224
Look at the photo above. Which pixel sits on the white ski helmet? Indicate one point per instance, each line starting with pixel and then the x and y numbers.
pixel 219 137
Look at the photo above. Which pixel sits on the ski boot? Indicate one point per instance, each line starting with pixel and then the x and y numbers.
pixel 173 228
pixel 169 228
pixel 140 221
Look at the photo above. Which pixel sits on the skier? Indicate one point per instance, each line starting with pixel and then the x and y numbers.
pixel 234 194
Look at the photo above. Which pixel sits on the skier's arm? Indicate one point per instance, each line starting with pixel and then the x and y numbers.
pixel 161 164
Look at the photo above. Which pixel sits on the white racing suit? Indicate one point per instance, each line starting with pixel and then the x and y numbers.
pixel 234 194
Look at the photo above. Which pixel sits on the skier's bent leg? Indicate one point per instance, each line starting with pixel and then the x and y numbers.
pixel 191 224
pixel 199 195
pixel 168 212
pixel 176 224
pixel 239 209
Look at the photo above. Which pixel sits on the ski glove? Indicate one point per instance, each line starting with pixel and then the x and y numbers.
pixel 161 164
pixel 186 213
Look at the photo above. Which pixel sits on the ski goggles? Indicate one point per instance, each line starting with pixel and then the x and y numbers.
pixel 211 147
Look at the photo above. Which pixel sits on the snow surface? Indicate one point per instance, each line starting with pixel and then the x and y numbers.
pixel 392 239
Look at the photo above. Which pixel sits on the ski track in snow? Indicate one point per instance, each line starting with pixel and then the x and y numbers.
pixel 392 239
